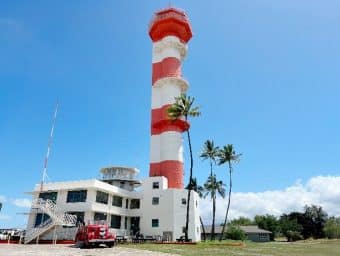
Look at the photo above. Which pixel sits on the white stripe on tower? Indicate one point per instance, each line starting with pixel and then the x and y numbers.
pixel 169 50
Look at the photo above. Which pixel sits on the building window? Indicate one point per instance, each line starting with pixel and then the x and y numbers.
pixel 184 201
pixel 155 185
pixel 135 204
pixel 115 221
pixel 122 184
pixel 155 223
pixel 80 217
pixel 263 236
pixel 76 196
pixel 41 218
pixel 125 223
pixel 102 197
pixel 117 201
pixel 155 200
pixel 49 195
pixel 99 216
pixel 127 203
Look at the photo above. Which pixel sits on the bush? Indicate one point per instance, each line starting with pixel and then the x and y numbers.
pixel 293 236
pixel 332 228
pixel 235 233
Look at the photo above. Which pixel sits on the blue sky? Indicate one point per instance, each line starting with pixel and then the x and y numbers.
pixel 265 74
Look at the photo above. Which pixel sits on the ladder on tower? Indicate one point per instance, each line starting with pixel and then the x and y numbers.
pixel 57 218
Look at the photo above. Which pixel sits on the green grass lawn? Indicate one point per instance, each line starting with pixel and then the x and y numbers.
pixel 301 248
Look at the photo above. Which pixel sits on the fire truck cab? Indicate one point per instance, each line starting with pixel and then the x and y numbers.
pixel 94 235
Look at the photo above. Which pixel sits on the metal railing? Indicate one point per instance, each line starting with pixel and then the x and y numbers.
pixel 57 217
pixel 171 14
pixel 39 230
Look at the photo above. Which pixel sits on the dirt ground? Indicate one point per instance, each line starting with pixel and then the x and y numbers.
pixel 70 250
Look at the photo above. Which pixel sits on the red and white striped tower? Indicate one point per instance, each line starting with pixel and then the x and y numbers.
pixel 170 31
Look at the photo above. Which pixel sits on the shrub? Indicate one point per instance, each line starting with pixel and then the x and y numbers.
pixel 293 236
pixel 235 233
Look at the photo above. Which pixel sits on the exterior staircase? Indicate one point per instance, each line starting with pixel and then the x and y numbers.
pixel 57 217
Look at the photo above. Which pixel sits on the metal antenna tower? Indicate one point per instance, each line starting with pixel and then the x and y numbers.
pixel 44 174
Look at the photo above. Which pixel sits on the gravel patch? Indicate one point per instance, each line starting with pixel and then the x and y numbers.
pixel 70 250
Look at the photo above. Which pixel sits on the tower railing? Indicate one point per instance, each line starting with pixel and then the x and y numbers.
pixel 171 14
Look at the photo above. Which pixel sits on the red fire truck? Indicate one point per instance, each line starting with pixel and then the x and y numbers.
pixel 94 235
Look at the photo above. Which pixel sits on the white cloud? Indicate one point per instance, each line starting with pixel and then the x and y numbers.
pixel 2 199
pixel 4 217
pixel 22 202
pixel 320 190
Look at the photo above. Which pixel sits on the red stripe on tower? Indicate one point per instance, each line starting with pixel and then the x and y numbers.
pixel 169 30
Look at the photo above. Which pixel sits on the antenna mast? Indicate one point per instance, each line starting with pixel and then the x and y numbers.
pixel 44 175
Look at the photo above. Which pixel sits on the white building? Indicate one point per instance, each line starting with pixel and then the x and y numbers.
pixel 153 209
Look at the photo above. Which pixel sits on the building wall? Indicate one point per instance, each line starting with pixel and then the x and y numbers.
pixel 170 211
pixel 258 237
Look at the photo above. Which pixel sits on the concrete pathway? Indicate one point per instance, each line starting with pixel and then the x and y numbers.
pixel 70 250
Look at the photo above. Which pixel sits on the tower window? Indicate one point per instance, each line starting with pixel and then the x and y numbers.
pixel 155 223
pixel 184 201
pixel 155 200
pixel 155 185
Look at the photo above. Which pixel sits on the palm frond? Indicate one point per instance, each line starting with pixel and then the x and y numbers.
pixel 213 187
pixel 228 154
pixel 183 107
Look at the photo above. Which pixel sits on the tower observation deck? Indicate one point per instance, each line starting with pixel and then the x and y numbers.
pixel 123 177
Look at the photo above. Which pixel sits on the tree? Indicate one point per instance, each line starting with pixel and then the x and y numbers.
pixel 290 226
pixel 235 233
pixel 332 228
pixel 214 188
pixel 242 221
pixel 228 155
pixel 210 152
pixel 313 222
pixel 183 107
pixel 199 190
pixel 268 222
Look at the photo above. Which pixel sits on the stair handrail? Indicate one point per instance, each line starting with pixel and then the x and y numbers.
pixel 51 208
pixel 36 231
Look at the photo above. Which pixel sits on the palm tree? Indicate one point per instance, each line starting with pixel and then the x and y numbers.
pixel 228 155
pixel 183 107
pixel 199 190
pixel 209 152
pixel 214 187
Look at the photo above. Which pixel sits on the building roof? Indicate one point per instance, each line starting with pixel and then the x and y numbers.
pixel 254 229
pixel 246 229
